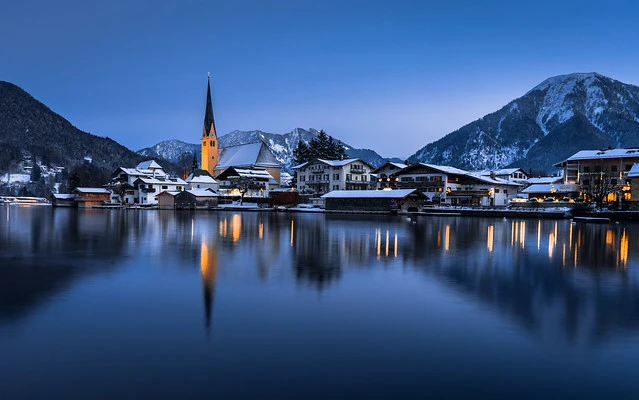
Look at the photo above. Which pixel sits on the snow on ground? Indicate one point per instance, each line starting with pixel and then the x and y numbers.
pixel 13 178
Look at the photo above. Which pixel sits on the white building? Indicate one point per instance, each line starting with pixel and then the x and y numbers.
pixel 454 186
pixel 517 175
pixel 386 174
pixel 142 184
pixel 201 179
pixel 321 176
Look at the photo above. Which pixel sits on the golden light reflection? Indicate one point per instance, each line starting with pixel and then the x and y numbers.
pixel 208 270
pixel 395 246
pixel 538 235
pixel 447 238
pixel 490 238
pixel 439 238
pixel 292 232
pixel 551 243
pixel 513 229
pixel 623 249
pixel 378 240
pixel 261 230
pixel 223 228
pixel 522 234
pixel 236 227
pixel 609 236
pixel 570 236
pixel 387 241
pixel 563 256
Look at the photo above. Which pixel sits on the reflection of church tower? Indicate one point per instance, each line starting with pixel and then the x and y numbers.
pixel 209 137
pixel 208 268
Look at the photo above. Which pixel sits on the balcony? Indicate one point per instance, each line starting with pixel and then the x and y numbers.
pixel 357 171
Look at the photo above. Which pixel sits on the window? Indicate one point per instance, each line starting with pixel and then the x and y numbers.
pixel 326 177
pixel 203 143
pixel 496 190
pixel 336 177
pixel 613 168
pixel 335 187
pixel 505 191
pixel 212 142
pixel 586 170
pixel 164 187
pixel 597 168
pixel 613 181
pixel 348 177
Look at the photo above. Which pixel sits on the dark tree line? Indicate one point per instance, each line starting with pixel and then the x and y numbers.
pixel 323 146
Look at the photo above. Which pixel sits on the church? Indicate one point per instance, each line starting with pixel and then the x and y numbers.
pixel 250 160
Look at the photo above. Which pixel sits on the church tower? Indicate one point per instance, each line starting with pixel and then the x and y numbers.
pixel 209 137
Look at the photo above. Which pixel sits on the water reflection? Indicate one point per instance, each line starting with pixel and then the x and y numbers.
pixel 559 280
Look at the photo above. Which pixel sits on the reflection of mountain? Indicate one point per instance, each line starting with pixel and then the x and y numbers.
pixel 563 281
pixel 560 280
pixel 44 251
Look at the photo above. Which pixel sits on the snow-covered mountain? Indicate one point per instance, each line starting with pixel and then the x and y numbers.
pixel 282 146
pixel 554 120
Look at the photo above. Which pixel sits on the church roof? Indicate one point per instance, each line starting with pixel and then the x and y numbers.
pixel 247 155
pixel 209 121
pixel 200 176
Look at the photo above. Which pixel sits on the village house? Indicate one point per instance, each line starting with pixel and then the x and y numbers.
pixel 321 176
pixel 453 186
pixel 201 179
pixel 142 184
pixel 86 197
pixel 517 175
pixel 256 183
pixel 386 174
pixel 592 169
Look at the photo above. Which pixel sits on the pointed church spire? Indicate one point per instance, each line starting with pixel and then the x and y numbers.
pixel 209 121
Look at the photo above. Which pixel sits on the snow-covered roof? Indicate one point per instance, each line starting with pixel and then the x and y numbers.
pixel 202 192
pixel 495 181
pixel 246 155
pixel 446 169
pixel 544 179
pixel 390 164
pixel 547 188
pixel 64 196
pixel 600 154
pixel 369 194
pixel 634 171
pixel 91 190
pixel 150 164
pixel 169 192
pixel 200 179
pixel 157 181
pixel 332 163
pixel 499 172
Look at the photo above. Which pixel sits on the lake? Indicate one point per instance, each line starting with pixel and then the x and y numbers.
pixel 119 304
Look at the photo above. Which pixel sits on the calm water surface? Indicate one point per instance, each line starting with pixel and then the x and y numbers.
pixel 145 304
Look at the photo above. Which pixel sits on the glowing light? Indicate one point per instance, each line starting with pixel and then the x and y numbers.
pixel 387 240
pixel 522 234
pixel 447 238
pixel 609 236
pixel 236 227
pixel 551 243
pixel 623 249
pixel 538 235
pixel 261 230
pixel 490 238
pixel 395 246
pixel 378 240
pixel 292 232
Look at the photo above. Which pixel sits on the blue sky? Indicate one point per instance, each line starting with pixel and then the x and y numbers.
pixel 387 75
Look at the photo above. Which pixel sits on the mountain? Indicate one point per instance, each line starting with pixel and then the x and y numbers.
pixel 282 146
pixel 29 128
pixel 554 120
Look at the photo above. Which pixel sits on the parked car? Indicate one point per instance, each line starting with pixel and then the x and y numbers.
pixel 533 200
pixel 549 200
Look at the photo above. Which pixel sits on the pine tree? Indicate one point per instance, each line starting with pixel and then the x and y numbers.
pixel 36 173
pixel 301 153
